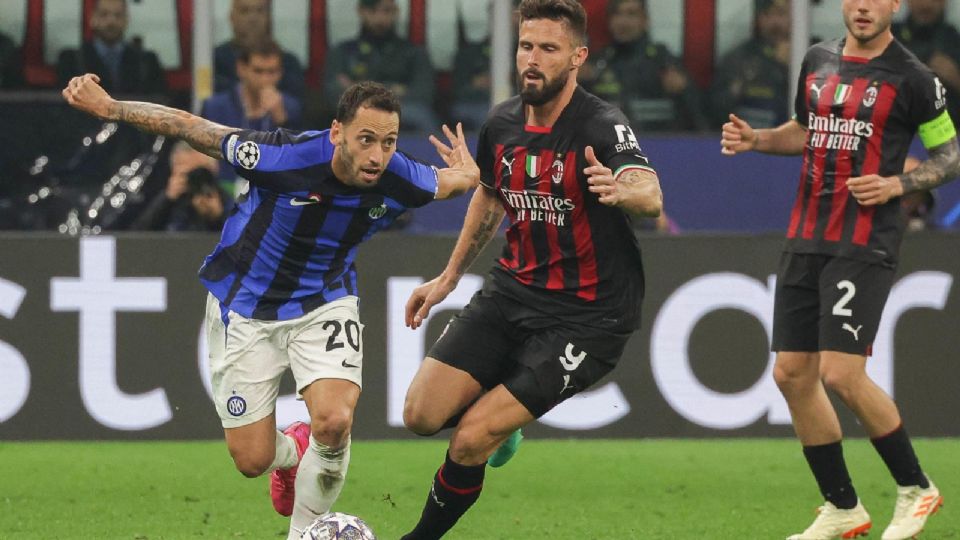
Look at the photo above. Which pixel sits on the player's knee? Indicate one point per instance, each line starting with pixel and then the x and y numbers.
pixel 792 375
pixel 251 464
pixel 841 382
pixel 332 427
pixel 418 420
pixel 468 446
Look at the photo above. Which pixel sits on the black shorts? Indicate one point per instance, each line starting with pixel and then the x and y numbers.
pixel 827 303
pixel 538 358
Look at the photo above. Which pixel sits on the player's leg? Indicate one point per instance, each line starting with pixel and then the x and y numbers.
pixel 323 469
pixel 552 364
pixel 245 375
pixel 797 374
pixel 438 396
pixel 458 482
pixel 326 355
pixel 472 354
pixel 855 294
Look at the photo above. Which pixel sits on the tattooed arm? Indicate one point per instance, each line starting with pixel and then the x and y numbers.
pixel 480 225
pixel 85 94
pixel 942 166
pixel 634 189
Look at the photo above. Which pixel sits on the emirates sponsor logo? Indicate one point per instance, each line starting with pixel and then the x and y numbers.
pixel 538 206
pixel 835 133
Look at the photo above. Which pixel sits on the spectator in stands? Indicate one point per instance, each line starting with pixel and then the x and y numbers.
pixel 471 79
pixel 252 24
pixel 123 67
pixel 192 200
pixel 11 67
pixel 936 43
pixel 753 80
pixel 642 77
pixel 379 54
pixel 255 102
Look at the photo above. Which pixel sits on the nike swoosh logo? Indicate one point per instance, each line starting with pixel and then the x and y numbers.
pixel 346 365
pixel 301 202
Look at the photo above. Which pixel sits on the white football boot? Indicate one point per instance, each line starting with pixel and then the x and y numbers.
pixel 914 506
pixel 833 522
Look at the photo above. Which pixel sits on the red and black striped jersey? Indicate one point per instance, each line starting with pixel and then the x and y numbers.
pixel 861 116
pixel 565 250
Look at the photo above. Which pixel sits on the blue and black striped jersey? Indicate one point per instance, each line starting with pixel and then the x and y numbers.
pixel 290 244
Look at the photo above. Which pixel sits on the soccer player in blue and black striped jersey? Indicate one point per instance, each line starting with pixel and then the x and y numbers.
pixel 282 280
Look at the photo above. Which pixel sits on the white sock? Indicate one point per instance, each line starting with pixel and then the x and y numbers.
pixel 319 480
pixel 285 455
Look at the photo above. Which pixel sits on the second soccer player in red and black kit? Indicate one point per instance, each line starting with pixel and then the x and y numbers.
pixel 860 101
pixel 560 304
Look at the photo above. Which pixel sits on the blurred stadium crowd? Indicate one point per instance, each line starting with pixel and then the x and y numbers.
pixel 284 64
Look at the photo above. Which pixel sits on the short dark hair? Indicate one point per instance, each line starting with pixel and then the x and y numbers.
pixel 200 181
pixel 614 5
pixel 126 8
pixel 366 94
pixel 266 47
pixel 570 12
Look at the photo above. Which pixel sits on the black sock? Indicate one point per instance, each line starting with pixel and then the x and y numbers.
pixel 826 462
pixel 455 488
pixel 897 452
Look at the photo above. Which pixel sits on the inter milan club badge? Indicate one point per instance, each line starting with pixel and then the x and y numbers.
pixel 236 405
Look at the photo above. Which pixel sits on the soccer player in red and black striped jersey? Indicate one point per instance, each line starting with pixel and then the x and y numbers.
pixel 560 304
pixel 860 101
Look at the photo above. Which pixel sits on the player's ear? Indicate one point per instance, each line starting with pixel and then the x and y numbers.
pixel 580 56
pixel 336 132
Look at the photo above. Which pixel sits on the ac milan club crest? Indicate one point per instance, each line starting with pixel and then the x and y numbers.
pixel 557 171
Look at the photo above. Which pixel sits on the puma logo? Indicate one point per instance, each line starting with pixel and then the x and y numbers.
pixel 852 330
pixel 508 164
pixel 566 384
pixel 816 89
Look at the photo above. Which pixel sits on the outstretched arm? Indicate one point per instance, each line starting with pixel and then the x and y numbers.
pixel 86 94
pixel 738 136
pixel 480 225
pixel 942 166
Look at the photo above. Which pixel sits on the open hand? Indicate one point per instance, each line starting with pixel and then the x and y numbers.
pixel 424 298
pixel 457 154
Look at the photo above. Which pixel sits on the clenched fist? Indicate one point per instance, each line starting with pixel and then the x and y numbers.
pixel 86 94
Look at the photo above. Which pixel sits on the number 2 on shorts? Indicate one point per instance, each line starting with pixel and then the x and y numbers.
pixel 840 308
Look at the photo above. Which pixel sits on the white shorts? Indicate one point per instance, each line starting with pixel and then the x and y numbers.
pixel 249 356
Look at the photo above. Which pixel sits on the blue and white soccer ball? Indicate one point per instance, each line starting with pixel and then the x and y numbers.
pixel 337 526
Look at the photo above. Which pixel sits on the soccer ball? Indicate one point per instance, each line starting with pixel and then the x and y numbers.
pixel 248 154
pixel 337 526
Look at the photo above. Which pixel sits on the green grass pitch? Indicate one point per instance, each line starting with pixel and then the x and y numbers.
pixel 577 489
